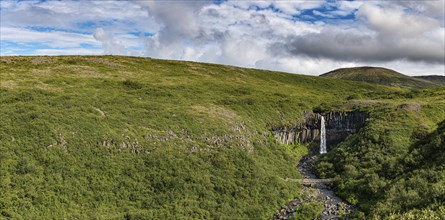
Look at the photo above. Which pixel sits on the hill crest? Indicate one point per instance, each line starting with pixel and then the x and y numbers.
pixel 379 75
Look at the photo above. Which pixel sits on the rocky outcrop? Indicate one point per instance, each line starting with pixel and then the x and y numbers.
pixel 333 207
pixel 338 126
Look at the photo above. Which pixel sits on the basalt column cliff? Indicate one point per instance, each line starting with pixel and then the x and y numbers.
pixel 338 126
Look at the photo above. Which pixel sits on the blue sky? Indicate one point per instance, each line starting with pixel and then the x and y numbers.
pixel 307 37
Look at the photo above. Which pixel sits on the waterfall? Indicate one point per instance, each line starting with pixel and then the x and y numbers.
pixel 323 137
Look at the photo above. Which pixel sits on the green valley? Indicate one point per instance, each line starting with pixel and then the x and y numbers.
pixel 112 137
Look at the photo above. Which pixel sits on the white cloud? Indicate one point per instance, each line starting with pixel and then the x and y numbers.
pixel 393 21
pixel 67 51
pixel 358 46
pixel 52 38
pixel 82 16
pixel 434 8
pixel 109 44
pixel 285 7
pixel 273 35
pixel 237 33
pixel 315 12
pixel 6 5
pixel 347 7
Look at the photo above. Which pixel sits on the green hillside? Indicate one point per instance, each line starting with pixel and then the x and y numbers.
pixel 437 79
pixel 382 76
pixel 125 137
pixel 396 162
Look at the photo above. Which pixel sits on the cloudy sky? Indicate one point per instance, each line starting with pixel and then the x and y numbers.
pixel 307 37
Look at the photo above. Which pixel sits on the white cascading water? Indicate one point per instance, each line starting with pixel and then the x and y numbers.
pixel 323 137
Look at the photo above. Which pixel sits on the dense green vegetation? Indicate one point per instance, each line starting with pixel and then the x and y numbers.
pixel 397 162
pixel 115 137
pixel 384 76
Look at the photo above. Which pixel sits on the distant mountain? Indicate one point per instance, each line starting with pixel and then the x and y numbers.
pixel 433 78
pixel 382 76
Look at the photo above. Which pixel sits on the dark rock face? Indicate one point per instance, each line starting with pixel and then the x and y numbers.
pixel 338 126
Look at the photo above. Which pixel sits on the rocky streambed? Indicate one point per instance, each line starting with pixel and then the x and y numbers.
pixel 334 207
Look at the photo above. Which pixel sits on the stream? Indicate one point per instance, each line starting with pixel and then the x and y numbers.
pixel 334 207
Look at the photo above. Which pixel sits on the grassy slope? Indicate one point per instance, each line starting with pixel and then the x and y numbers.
pixel 422 187
pixel 122 136
pixel 379 75
pixel 440 80
pixel 113 136
pixel 386 169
